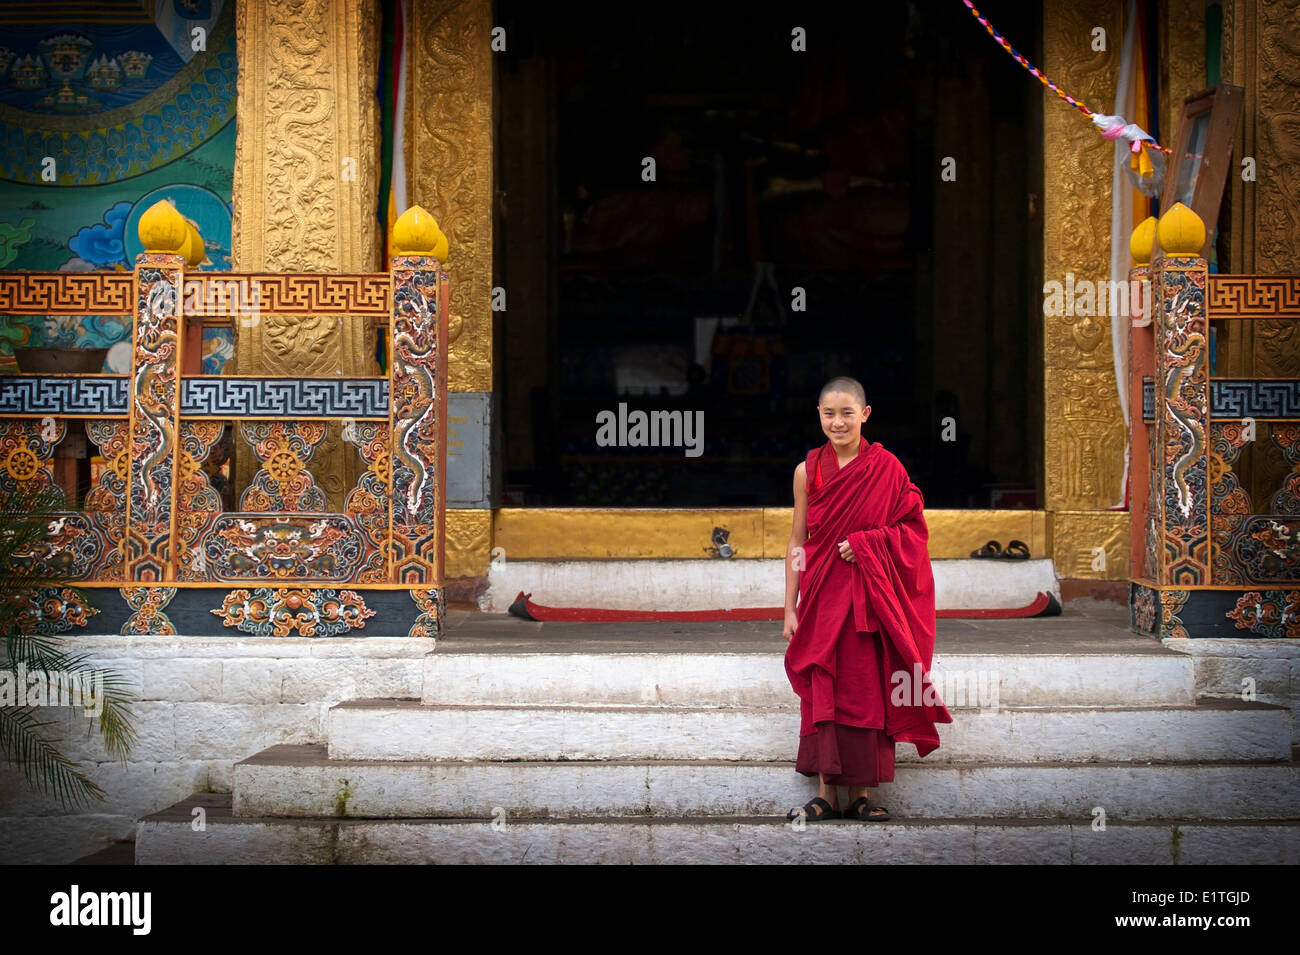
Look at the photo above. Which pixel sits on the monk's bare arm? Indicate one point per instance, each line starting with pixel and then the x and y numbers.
pixel 798 535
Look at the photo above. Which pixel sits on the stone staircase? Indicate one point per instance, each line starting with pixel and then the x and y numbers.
pixel 675 743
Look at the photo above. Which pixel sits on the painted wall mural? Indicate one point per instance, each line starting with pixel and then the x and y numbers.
pixel 105 108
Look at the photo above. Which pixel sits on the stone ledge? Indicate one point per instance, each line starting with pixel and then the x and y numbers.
pixel 1244 647
pixel 167 838
pixel 301 782
pixel 182 646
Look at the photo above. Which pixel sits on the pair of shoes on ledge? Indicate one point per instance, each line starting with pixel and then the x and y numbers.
pixel 1016 550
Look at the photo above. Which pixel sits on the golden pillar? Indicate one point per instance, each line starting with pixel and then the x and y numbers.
pixel 1261 54
pixel 1084 435
pixel 1085 432
pixel 450 162
pixel 1180 37
pixel 307 155
pixel 306 190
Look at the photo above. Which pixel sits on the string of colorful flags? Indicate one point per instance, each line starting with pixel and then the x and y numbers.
pixel 1146 156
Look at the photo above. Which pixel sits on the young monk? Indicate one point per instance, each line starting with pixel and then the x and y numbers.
pixel 863 631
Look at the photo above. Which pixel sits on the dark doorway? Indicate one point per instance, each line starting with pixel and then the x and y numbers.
pixel 799 225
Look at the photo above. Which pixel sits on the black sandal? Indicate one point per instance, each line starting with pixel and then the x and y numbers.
pixel 863 811
pixel 1016 550
pixel 824 811
pixel 991 549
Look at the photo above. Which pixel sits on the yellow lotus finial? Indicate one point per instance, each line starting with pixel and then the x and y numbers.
pixel 1181 231
pixel 194 250
pixel 163 229
pixel 1142 241
pixel 416 233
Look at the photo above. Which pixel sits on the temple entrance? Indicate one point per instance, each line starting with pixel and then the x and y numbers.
pixel 709 213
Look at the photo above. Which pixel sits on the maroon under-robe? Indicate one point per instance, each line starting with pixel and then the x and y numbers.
pixel 865 628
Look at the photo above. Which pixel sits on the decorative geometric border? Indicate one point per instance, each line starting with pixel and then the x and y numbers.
pixel 1269 399
pixel 1274 399
pixel 221 397
pixel 1253 296
pixel 218 296
pixel 67 293
pixel 106 396
pixel 112 293
pixel 100 396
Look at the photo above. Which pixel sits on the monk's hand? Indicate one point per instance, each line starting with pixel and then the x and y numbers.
pixel 846 551
pixel 791 621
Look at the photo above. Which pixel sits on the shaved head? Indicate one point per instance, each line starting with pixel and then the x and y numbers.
pixel 849 386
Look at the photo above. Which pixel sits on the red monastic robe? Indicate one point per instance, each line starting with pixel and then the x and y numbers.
pixel 865 629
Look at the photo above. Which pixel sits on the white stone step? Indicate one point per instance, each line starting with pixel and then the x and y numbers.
pixel 411 730
pixel 716 584
pixel 301 781
pixel 170 837
pixel 759 679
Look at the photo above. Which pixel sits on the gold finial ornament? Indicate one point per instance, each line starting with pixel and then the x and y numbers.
pixel 1181 231
pixel 416 233
pixel 1142 241
pixel 441 247
pixel 162 228
pixel 193 250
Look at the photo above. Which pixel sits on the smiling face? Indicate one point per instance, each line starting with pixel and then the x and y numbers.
pixel 842 419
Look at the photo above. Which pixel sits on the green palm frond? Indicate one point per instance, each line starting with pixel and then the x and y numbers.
pixel 45 768
pixel 42 652
pixel 27 563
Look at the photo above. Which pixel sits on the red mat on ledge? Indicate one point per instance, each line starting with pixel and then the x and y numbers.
pixel 1044 605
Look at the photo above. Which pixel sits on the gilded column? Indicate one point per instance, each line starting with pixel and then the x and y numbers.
pixel 1084 431
pixel 450 167
pixel 1261 54
pixel 1181 39
pixel 306 188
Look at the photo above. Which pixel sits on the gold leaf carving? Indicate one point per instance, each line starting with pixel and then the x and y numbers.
pixel 306 187
pixel 1084 443
pixel 1181 40
pixel 301 345
pixel 1091 544
pixel 1261 53
pixel 468 542
pixel 451 167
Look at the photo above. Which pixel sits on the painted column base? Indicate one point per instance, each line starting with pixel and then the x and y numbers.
pixel 1261 612
pixel 254 610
